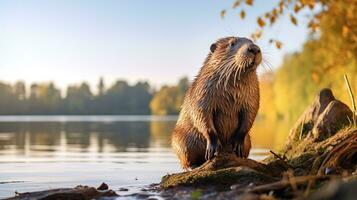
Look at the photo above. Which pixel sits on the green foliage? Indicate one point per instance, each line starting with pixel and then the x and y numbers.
pixel 197 194
pixel 119 98
pixel 46 99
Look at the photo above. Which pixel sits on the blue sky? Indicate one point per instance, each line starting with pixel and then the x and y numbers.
pixel 70 41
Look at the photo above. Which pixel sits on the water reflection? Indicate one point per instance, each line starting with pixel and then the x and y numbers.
pixel 84 136
pixel 50 152
pixel 269 134
pixel 22 138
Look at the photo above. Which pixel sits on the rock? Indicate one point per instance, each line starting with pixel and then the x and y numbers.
pixel 123 189
pixel 223 170
pixel 103 186
pixel 336 116
pixel 309 117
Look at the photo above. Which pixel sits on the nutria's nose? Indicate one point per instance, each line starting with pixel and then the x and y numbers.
pixel 254 49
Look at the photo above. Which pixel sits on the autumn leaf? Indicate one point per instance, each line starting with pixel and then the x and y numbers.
pixel 318 16
pixel 223 13
pixel 278 44
pixel 272 19
pixel 293 20
pixel 260 22
pixel 249 2
pixel 236 4
pixel 275 12
pixel 315 77
pixel 311 4
pixel 242 14
pixel 313 26
pixel 281 6
pixel 297 8
pixel 257 34
pixel 345 31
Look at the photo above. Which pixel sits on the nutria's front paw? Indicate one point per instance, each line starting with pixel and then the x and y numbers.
pixel 211 150
pixel 238 147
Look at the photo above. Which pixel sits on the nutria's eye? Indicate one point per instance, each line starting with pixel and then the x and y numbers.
pixel 213 47
pixel 231 44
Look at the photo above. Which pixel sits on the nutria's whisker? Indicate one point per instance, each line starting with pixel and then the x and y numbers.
pixel 229 74
pixel 267 64
pixel 235 75
pixel 223 72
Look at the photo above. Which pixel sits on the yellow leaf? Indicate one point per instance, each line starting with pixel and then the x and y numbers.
pixel 257 34
pixel 223 13
pixel 278 44
pixel 281 4
pixel 297 8
pixel 260 22
pixel 345 30
pixel 293 20
pixel 313 26
pixel 236 3
pixel 311 4
pixel 272 19
pixel 281 7
pixel 315 77
pixel 242 14
pixel 275 12
pixel 249 2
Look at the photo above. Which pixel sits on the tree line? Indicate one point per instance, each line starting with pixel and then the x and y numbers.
pixel 120 98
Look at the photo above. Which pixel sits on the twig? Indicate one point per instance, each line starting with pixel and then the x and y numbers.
pixel 292 180
pixel 276 155
pixel 352 99
pixel 302 128
pixel 280 158
pixel 285 183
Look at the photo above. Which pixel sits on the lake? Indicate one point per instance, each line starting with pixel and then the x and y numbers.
pixel 44 152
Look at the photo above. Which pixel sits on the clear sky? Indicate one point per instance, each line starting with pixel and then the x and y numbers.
pixel 70 41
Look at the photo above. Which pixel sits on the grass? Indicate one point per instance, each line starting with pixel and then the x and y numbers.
pixel 352 100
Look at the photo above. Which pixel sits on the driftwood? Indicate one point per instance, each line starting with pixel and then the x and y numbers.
pixel 77 193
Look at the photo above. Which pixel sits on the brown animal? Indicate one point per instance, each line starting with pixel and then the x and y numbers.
pixel 220 105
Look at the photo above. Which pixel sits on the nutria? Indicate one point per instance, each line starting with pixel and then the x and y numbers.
pixel 220 105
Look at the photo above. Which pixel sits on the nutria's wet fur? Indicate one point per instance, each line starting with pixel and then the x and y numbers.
pixel 220 105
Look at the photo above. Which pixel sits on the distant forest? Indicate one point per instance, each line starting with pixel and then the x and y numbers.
pixel 120 98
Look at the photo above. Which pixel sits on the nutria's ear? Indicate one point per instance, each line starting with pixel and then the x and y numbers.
pixel 213 47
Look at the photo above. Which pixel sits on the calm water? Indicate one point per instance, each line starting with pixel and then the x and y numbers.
pixel 43 152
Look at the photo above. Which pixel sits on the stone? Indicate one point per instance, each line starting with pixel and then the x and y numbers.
pixel 309 117
pixel 103 186
pixel 336 116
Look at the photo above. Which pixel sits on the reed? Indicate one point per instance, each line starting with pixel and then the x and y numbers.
pixel 352 100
